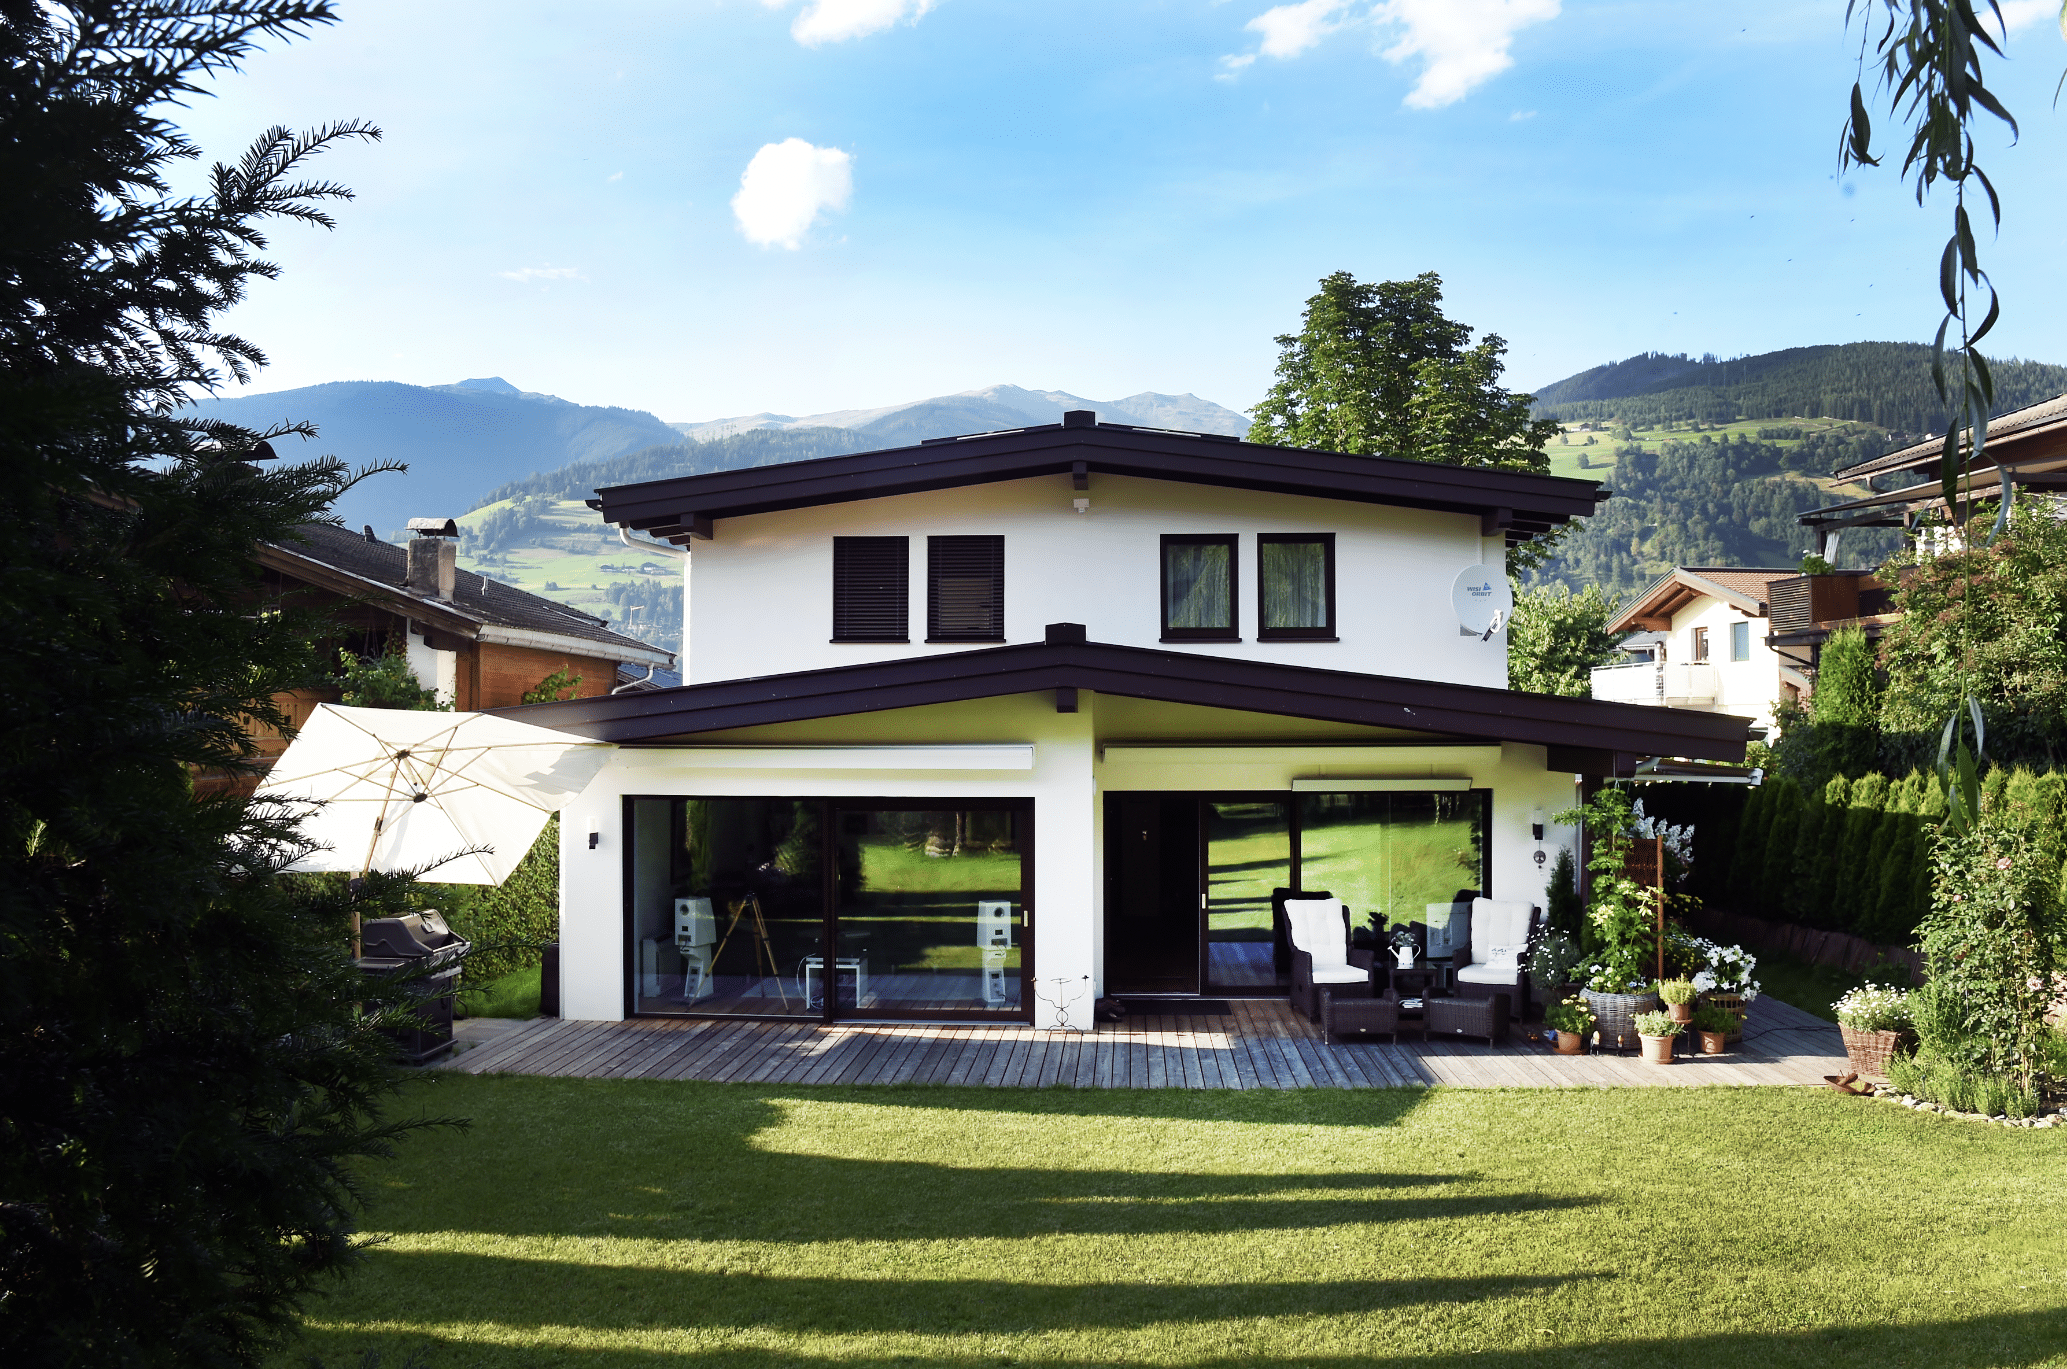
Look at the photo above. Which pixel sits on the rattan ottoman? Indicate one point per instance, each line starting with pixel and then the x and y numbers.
pixel 1485 1017
pixel 1362 1017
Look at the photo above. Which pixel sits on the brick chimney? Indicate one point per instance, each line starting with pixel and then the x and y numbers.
pixel 433 563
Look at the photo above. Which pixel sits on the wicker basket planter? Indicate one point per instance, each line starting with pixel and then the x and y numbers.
pixel 1869 1051
pixel 1733 1003
pixel 1614 1015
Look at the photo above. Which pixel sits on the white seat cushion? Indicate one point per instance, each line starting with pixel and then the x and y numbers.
pixel 1486 974
pixel 1341 974
pixel 1497 922
pixel 1317 928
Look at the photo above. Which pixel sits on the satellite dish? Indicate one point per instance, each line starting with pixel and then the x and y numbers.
pixel 1482 599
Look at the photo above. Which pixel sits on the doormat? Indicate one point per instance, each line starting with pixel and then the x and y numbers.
pixel 1190 1007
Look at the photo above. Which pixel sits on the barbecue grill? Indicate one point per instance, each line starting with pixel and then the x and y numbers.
pixel 421 944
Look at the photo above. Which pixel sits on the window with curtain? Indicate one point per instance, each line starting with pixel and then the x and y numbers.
pixel 1199 588
pixel 1295 586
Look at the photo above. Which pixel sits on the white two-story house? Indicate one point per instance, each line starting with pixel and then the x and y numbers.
pixel 988 727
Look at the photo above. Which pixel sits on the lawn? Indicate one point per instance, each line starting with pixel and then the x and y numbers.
pixel 1813 988
pixel 607 1224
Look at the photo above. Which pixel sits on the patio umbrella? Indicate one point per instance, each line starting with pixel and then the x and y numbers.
pixel 398 790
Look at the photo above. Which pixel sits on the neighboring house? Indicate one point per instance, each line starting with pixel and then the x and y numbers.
pixel 989 727
pixel 479 643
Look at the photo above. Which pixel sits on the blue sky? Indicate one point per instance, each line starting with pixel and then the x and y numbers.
pixel 1104 198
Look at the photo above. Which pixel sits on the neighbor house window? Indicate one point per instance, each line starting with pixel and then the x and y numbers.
pixel 871 589
pixel 1295 586
pixel 965 589
pixel 1700 644
pixel 1740 641
pixel 1199 588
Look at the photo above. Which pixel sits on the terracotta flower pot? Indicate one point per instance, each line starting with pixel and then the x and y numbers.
pixel 1714 1043
pixel 1681 1012
pixel 1571 1043
pixel 1657 1049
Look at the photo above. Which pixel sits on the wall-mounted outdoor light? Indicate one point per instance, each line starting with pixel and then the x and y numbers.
pixel 595 833
pixel 1536 831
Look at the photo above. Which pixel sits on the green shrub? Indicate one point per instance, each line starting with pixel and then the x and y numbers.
pixel 1676 991
pixel 1783 832
pixel 1564 909
pixel 1961 1087
pixel 509 923
pixel 1710 1017
pixel 1657 1024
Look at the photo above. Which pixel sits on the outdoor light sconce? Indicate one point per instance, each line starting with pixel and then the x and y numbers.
pixel 596 833
pixel 1536 832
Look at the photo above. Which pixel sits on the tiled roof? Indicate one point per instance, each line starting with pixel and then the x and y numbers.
pixel 1750 582
pixel 1929 451
pixel 473 596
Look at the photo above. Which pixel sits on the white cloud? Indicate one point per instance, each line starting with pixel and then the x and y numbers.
pixel 525 275
pixel 835 21
pixel 785 188
pixel 1290 30
pixel 1461 43
pixel 613 177
pixel 2017 14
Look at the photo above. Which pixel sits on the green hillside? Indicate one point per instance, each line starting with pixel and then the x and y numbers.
pixel 1885 384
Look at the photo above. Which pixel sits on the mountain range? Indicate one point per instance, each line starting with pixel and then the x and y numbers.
pixel 463 440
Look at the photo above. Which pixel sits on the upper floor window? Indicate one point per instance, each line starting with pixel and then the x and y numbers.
pixel 1740 641
pixel 1700 645
pixel 1295 586
pixel 871 589
pixel 965 589
pixel 1199 588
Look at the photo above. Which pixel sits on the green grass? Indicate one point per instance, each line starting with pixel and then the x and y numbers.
pixel 513 995
pixel 611 1224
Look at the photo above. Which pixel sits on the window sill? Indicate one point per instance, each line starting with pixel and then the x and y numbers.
pixel 961 641
pixel 1178 641
pixel 1276 637
pixel 869 641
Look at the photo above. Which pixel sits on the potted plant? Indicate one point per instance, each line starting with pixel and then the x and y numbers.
pixel 1623 913
pixel 1403 947
pixel 1724 980
pixel 1554 967
pixel 1678 995
pixel 1713 1024
pixel 1872 1020
pixel 1572 1020
pixel 1656 1030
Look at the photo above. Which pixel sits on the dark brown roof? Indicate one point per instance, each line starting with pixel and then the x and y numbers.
pixel 1520 505
pixel 1590 725
pixel 476 600
pixel 2032 420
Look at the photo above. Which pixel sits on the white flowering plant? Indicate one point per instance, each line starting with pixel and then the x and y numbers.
pixel 1872 1008
pixel 1723 969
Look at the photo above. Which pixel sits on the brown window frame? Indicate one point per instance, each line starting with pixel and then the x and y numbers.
pixel 846 569
pixel 1324 633
pixel 1233 542
pixel 1700 646
pixel 953 545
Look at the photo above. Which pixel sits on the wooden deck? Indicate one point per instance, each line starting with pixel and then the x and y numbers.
pixel 1260 1044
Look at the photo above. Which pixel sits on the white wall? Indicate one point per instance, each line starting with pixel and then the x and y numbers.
pixel 760 595
pixel 1747 689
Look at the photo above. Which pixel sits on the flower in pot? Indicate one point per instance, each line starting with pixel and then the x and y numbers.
pixel 1554 964
pixel 1403 946
pixel 1656 1030
pixel 1572 1020
pixel 1872 1020
pixel 1714 1024
pixel 1678 995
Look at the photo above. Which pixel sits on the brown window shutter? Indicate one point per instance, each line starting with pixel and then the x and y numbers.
pixel 871 589
pixel 965 589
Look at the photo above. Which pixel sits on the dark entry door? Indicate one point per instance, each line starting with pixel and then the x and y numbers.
pixel 1152 893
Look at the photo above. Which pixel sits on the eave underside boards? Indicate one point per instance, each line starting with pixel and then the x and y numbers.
pixel 2039 430
pixel 1521 506
pixel 1170 677
pixel 1892 510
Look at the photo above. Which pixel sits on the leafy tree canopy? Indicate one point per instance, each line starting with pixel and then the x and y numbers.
pixel 1556 638
pixel 186 1078
pixel 1378 370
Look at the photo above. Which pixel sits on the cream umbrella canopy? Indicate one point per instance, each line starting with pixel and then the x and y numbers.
pixel 400 790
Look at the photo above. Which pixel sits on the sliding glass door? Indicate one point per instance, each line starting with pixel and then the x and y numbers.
pixel 1248 853
pixel 815 908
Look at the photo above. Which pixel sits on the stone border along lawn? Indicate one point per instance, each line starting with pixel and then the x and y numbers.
pixel 604 1224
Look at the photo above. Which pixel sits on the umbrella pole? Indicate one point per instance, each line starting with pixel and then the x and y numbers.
pixel 373 841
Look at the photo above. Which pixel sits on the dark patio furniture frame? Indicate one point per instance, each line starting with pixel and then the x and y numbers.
pixel 1485 1017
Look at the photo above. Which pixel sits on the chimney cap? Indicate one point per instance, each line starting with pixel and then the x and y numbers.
pixel 1080 418
pixel 1059 633
pixel 434 527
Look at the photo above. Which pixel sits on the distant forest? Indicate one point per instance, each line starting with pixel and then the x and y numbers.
pixel 1710 503
pixel 1887 384
pixel 740 451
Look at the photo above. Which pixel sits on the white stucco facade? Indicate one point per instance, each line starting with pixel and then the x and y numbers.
pixel 1711 681
pixel 760 590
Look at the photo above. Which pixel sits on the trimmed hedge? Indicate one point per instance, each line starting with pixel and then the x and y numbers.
pixel 508 923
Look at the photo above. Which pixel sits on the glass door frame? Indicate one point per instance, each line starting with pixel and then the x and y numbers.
pixel 829 809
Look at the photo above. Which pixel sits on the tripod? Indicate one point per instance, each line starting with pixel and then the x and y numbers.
pixel 759 933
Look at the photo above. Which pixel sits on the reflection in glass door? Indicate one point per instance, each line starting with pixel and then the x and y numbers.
pixel 1390 856
pixel 931 910
pixel 1248 849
